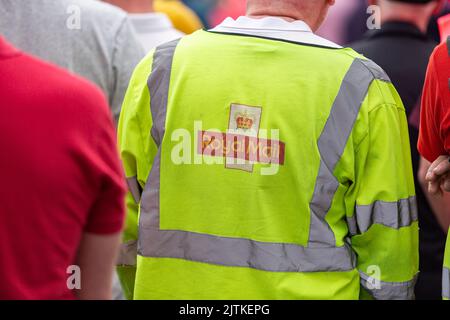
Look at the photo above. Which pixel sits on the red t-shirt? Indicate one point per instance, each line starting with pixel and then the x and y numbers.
pixel 60 174
pixel 434 138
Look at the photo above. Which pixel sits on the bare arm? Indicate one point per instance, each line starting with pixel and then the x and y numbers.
pixel 438 175
pixel 97 256
pixel 439 202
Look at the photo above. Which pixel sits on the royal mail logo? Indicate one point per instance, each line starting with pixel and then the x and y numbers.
pixel 244 121
pixel 241 147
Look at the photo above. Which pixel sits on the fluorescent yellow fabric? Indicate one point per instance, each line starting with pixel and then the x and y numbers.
pixel 296 86
pixel 243 283
pixel 182 17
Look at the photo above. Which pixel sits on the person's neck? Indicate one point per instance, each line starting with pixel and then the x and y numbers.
pixel 287 18
pixel 419 20
pixel 134 6
pixel 290 16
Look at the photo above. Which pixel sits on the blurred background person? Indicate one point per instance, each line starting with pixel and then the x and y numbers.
pixel 225 9
pixel 182 17
pixel 152 28
pixel 203 8
pixel 62 191
pixel 347 22
pixel 444 26
pixel 434 142
pixel 335 26
pixel 90 38
pixel 433 28
pixel 402 48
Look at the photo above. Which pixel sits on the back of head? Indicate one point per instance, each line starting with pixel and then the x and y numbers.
pixel 417 12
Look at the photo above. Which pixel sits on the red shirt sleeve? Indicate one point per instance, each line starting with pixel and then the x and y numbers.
pixel 107 213
pixel 434 138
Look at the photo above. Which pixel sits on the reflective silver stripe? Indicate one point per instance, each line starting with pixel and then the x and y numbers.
pixel 158 85
pixel 237 252
pixel 127 254
pixel 376 70
pixel 390 214
pixel 389 290
pixel 134 188
pixel 332 142
pixel 278 257
pixel 446 283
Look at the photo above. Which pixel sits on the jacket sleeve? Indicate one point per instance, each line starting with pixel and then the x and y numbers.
pixel 382 220
pixel 137 150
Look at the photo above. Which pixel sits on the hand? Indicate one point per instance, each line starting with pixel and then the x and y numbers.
pixel 438 176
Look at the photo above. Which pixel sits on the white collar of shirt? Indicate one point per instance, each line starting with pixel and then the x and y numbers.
pixel 273 27
pixel 150 22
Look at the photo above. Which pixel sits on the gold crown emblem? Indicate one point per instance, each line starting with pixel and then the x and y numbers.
pixel 244 121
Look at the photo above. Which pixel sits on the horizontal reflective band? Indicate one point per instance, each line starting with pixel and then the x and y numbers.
pixel 237 252
pixel 381 290
pixel 127 254
pixel 446 283
pixel 134 188
pixel 390 214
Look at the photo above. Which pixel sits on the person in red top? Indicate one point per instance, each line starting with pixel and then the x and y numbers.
pixel 62 190
pixel 434 137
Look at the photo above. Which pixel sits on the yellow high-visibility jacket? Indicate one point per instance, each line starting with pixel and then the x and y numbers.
pixel 265 169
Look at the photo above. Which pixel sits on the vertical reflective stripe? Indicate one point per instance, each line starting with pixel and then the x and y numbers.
pixel 381 290
pixel 127 254
pixel 158 85
pixel 446 283
pixel 134 188
pixel 394 215
pixel 149 215
pixel 332 142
